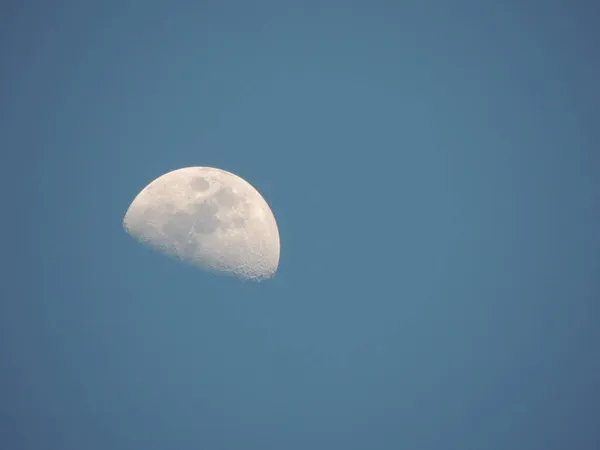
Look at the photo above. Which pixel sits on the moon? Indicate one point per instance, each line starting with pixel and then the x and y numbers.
pixel 209 217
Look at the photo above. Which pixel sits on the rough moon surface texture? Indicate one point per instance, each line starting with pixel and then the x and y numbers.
pixel 209 217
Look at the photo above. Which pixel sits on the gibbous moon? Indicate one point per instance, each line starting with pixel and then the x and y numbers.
pixel 209 217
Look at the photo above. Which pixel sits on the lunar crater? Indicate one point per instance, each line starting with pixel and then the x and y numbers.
pixel 200 184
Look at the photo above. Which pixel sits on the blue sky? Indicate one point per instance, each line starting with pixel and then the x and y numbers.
pixel 433 168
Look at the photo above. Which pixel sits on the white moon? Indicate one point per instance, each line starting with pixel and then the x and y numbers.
pixel 209 217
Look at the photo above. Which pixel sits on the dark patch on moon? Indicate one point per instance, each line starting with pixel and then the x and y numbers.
pixel 177 230
pixel 153 215
pixel 201 218
pixel 239 222
pixel 226 197
pixel 199 184
pixel 182 226
pixel 204 216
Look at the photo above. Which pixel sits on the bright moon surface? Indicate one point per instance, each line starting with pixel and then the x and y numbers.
pixel 209 217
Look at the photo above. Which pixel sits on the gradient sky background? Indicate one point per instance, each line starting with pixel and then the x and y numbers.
pixel 434 170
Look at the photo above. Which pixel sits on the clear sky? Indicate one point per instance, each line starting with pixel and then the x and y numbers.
pixel 434 170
